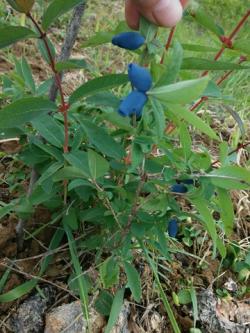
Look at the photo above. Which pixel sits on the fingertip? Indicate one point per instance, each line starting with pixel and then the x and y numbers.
pixel 168 13
pixel 132 15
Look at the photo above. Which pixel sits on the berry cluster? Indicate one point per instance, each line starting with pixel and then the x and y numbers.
pixel 140 77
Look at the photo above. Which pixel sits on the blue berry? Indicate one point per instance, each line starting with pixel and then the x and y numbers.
pixel 187 181
pixel 139 77
pixel 172 228
pixel 133 104
pixel 179 188
pixel 128 40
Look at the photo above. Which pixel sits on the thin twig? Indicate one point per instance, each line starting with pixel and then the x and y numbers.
pixel 71 35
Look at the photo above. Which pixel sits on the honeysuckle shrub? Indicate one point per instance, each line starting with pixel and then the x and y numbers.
pixel 117 161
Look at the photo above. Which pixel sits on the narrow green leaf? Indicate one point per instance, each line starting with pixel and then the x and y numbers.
pixel 134 281
pixel 101 37
pixel 96 85
pixel 186 141
pixel 27 74
pixel 115 310
pixel 206 64
pixel 193 119
pixel 52 169
pixel 198 48
pixel 208 221
pixel 172 66
pixel 24 110
pixel 56 9
pixel 231 177
pixel 207 21
pixel 98 166
pixel 72 64
pixel 10 35
pixel 242 45
pixel 181 92
pixel 226 210
pixel 83 290
pixel 102 140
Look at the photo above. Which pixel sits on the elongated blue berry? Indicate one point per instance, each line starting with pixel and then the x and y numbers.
pixel 179 188
pixel 139 77
pixel 173 228
pixel 128 40
pixel 133 104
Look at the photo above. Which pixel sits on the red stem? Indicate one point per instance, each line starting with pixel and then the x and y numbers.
pixel 240 146
pixel 64 106
pixel 169 42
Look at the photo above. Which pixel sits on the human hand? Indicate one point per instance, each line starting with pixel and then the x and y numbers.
pixel 161 12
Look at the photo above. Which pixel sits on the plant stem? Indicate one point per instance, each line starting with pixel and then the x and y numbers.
pixel 169 42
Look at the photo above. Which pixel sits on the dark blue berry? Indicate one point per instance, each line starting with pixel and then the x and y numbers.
pixel 128 40
pixel 139 77
pixel 133 104
pixel 172 228
pixel 187 181
pixel 179 188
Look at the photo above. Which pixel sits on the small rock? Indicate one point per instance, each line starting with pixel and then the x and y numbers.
pixel 29 316
pixel 69 319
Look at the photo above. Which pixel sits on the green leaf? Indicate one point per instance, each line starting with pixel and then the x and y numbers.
pixel 226 210
pixel 206 64
pixel 159 118
pixel 22 6
pixel 115 310
pixel 79 160
pixel 208 221
pixel 27 74
pixel 186 141
pixel 147 29
pixel 68 173
pixel 50 130
pixel 83 288
pixel 103 303
pixel 109 272
pixel 198 48
pixel 184 296
pixel 52 169
pixel 71 64
pixel 24 110
pixel 43 50
pixel 10 35
pixel 101 139
pixel 207 22
pixel 70 219
pixel 134 281
pixel 193 119
pixel 99 38
pixel 5 210
pixel 231 177
pixel 98 166
pixel 56 9
pixel 242 45
pixel 172 66
pixel 101 83
pixel 181 92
